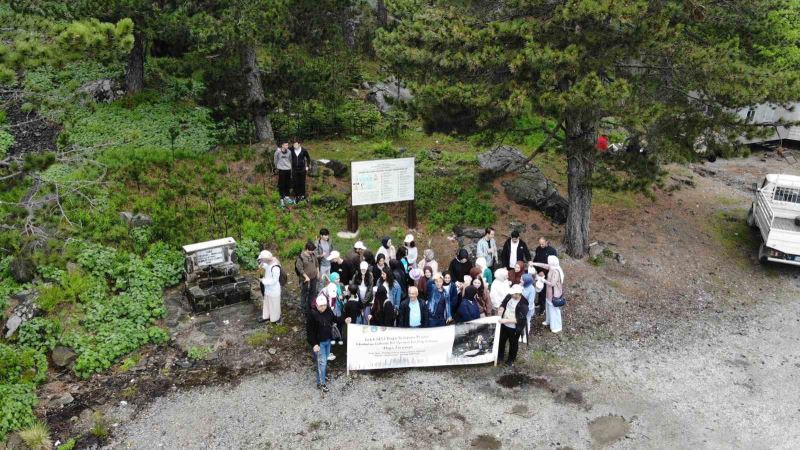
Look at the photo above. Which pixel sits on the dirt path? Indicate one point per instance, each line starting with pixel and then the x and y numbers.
pixel 689 344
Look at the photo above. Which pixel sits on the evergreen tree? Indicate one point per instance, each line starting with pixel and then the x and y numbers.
pixel 670 73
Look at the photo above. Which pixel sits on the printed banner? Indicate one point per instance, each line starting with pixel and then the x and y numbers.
pixel 370 347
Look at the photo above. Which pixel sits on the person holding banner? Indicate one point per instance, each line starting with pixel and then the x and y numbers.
pixel 513 313
pixel 437 297
pixel 320 333
pixel 469 306
pixel 414 312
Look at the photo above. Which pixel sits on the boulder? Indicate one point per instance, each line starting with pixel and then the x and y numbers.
pixel 62 401
pixel 62 356
pixel 338 168
pixel 517 226
pixel 387 93
pixel 470 232
pixel 595 250
pixel 502 159
pixel 135 220
pixel 103 90
pixel 530 187
pixel 23 312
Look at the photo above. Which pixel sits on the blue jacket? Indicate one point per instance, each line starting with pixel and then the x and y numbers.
pixel 452 294
pixel 468 310
pixel 434 297
pixel 396 294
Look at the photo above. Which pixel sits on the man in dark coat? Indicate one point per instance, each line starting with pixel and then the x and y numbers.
pixel 320 332
pixel 301 162
pixel 540 256
pixel 513 314
pixel 342 266
pixel 413 311
pixel 515 249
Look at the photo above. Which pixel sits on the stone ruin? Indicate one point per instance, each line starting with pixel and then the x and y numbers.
pixel 212 277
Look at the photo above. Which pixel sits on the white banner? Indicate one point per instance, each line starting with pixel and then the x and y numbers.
pixel 382 181
pixel 371 347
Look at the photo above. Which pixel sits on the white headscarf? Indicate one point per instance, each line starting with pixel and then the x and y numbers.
pixel 554 264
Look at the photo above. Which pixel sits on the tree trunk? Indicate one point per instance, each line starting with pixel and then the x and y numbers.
pixel 254 94
pixel 382 13
pixel 134 73
pixel 580 167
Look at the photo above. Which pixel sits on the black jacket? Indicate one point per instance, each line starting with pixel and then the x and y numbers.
pixel 523 254
pixel 386 317
pixel 458 269
pixel 301 161
pixel 540 254
pixel 345 271
pixel 521 313
pixel 369 282
pixel 405 313
pixel 319 325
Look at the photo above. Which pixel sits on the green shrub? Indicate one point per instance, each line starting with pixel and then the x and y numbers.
pixel 69 444
pixel 247 251
pixel 6 141
pixel 17 401
pixel 39 333
pixel 22 365
pixel 198 353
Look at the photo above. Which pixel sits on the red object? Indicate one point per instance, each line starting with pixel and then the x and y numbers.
pixel 602 143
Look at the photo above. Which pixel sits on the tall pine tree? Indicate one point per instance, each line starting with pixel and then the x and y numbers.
pixel 670 72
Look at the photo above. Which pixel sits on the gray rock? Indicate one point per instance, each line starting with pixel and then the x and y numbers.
pixel 472 248
pixel 102 90
pixel 531 188
pixel 573 395
pixel 62 356
pixel 619 258
pixel 517 226
pixel 388 93
pixel 23 312
pixel 595 250
pixel 502 159
pixel 338 168
pixel 135 220
pixel 470 232
pixel 61 401
pixel 272 351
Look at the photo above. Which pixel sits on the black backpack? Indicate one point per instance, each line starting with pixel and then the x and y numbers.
pixel 282 277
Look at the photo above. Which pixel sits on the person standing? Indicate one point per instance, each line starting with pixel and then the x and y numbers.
pixel 543 250
pixel 428 260
pixel 554 287
pixel 413 311
pixel 469 307
pixel 320 326
pixel 357 254
pixel 513 312
pixel 383 313
pixel 306 267
pixel 515 249
pixel 283 164
pixel 270 287
pixel 301 161
pixel 387 249
pixel 324 249
pixel 500 287
pixel 487 249
pixel 411 250
pixel 341 266
pixel 460 266
pixel 439 304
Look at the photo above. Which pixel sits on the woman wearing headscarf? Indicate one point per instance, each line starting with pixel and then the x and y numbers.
pixel 515 276
pixel 500 287
pixel 270 286
pixel 469 306
pixel 460 266
pixel 452 290
pixel 428 260
pixel 554 289
pixel 387 249
pixel 384 313
pixel 529 292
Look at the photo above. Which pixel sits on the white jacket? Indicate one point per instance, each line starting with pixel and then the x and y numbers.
pixel 271 278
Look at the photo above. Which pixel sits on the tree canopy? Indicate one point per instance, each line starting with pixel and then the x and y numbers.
pixel 665 72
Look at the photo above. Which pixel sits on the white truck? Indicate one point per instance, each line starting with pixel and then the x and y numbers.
pixel 776 214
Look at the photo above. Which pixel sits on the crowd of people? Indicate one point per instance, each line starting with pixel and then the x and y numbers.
pixel 395 287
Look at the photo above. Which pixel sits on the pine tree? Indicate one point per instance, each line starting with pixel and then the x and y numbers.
pixel 668 72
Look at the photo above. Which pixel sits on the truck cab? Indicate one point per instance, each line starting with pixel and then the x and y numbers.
pixel 776 213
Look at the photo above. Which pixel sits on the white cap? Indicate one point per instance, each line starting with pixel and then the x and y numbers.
pixel 359 245
pixel 334 255
pixel 515 289
pixel 364 265
pixel 264 255
pixel 481 262
pixel 409 238
pixel 321 300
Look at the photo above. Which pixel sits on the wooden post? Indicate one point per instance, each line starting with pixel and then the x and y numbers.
pixel 352 219
pixel 411 215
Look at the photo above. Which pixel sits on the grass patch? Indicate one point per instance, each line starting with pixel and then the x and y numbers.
pixel 37 437
pixel 263 338
pixel 543 360
pixel 198 353
pixel 729 229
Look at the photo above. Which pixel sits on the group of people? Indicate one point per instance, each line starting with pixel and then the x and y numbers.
pixel 395 286
pixel 291 162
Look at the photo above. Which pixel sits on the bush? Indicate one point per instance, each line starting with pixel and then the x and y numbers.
pixel 22 365
pixel 39 333
pixel 247 251
pixel 17 401
pixel 6 141
pixel 198 353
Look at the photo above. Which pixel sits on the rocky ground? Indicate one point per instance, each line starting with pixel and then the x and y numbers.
pixel 684 340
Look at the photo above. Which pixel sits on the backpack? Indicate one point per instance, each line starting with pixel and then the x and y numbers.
pixel 282 277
